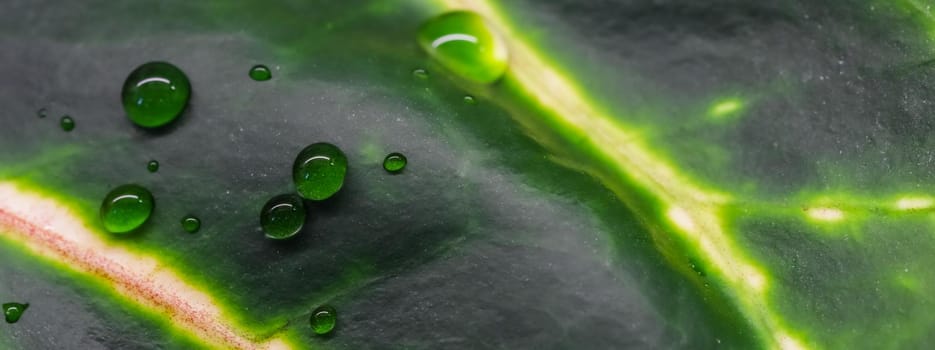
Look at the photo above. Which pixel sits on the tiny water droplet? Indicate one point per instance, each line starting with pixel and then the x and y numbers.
pixel 67 123
pixel 152 166
pixel 420 73
pixel 155 94
pixel 470 100
pixel 394 162
pixel 283 216
pixel 464 43
pixel 191 224
pixel 126 208
pixel 14 311
pixel 41 113
pixel 260 73
pixel 323 319
pixel 319 170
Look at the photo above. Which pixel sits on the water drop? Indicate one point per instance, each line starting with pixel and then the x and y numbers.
pixel 324 319
pixel 260 73
pixel 67 123
pixel 420 73
pixel 13 311
pixel 464 43
pixel 41 113
pixel 152 166
pixel 283 216
pixel 319 170
pixel 394 162
pixel 126 208
pixel 154 94
pixel 191 224
pixel 470 100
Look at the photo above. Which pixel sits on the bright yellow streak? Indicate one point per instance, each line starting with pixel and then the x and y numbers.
pixel 825 214
pixel 682 219
pixel 50 230
pixel 726 107
pixel 692 211
pixel 915 203
pixel 786 342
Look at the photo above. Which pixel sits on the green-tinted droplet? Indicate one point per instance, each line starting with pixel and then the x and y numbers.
pixel 394 162
pixel 283 216
pixel 191 224
pixel 152 166
pixel 13 311
pixel 260 73
pixel 126 207
pixel 470 100
pixel 41 113
pixel 67 123
pixel 319 171
pixel 420 73
pixel 324 319
pixel 154 94
pixel 464 43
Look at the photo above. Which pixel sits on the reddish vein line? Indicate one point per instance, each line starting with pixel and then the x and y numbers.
pixel 140 278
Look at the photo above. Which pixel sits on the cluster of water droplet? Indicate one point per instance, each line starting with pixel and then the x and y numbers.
pixel 156 93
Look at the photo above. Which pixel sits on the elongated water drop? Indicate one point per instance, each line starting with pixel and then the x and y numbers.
pixel 67 123
pixel 468 99
pixel 420 74
pixel 323 319
pixel 394 162
pixel 191 224
pixel 260 73
pixel 283 216
pixel 464 43
pixel 126 208
pixel 154 94
pixel 14 311
pixel 319 170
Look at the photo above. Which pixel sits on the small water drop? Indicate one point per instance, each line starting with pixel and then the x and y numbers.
pixel 323 319
pixel 67 123
pixel 319 170
pixel 260 73
pixel 191 224
pixel 420 74
pixel 464 43
pixel 470 100
pixel 155 94
pixel 126 208
pixel 14 311
pixel 394 162
pixel 152 166
pixel 42 113
pixel 283 216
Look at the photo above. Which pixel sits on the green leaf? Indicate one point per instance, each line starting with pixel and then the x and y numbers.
pixel 677 174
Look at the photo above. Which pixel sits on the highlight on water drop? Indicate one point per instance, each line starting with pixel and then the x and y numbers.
pixel 420 74
pixel 323 319
pixel 394 162
pixel 155 94
pixel 319 171
pixel 12 312
pixel 191 223
pixel 282 216
pixel 465 44
pixel 126 208
pixel 260 73
pixel 67 123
